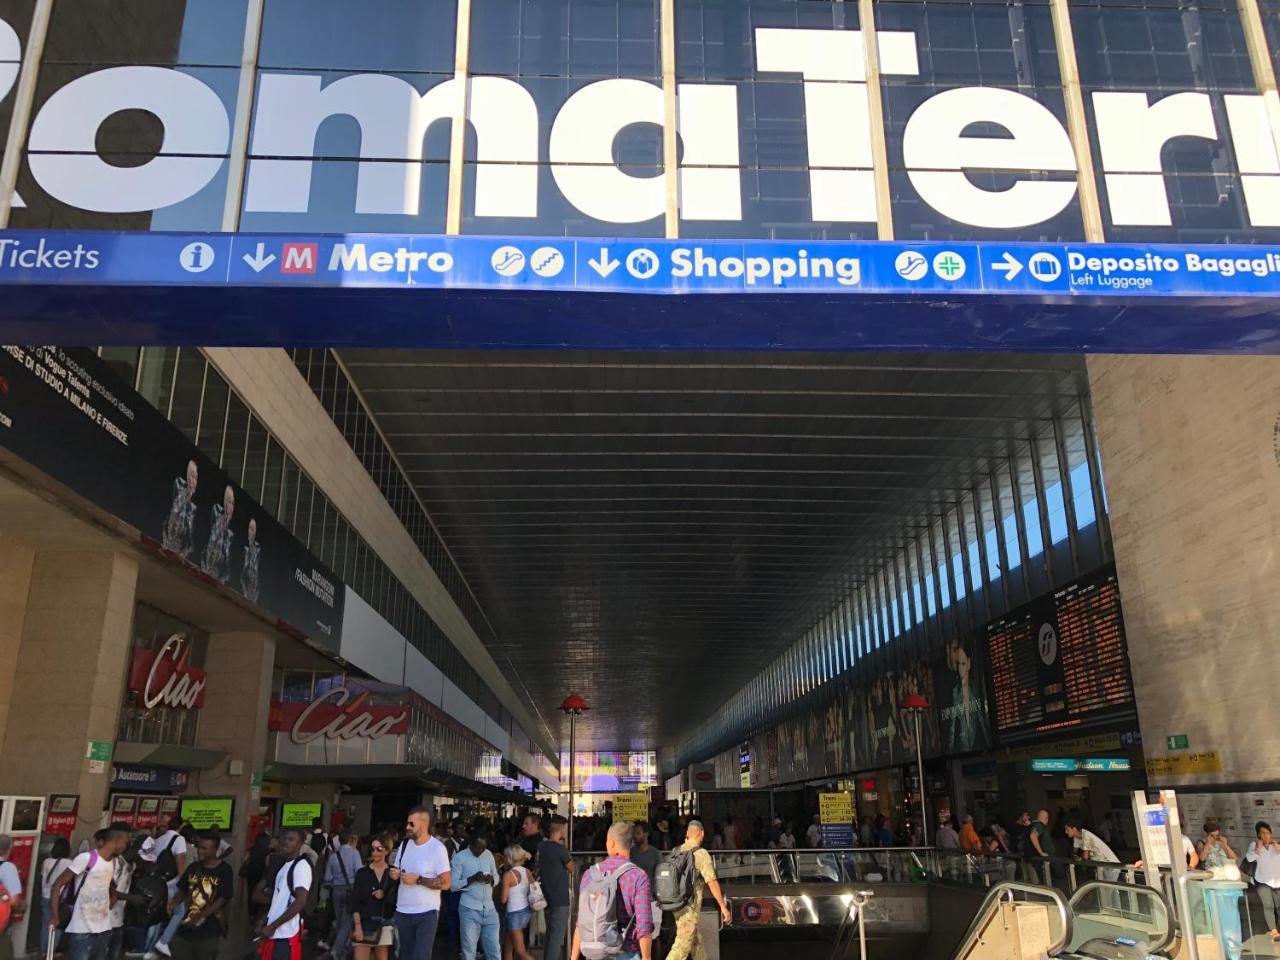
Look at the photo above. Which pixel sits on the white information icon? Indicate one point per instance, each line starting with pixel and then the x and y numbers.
pixel 196 257
pixel 546 262
pixel 642 263
pixel 507 261
pixel 911 265
pixel 1045 267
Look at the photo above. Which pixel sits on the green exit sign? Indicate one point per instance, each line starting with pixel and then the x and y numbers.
pixel 1178 741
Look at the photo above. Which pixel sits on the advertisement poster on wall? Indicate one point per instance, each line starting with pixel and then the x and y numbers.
pixel 118 451
pixel 960 696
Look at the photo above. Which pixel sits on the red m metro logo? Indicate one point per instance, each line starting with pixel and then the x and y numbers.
pixel 299 258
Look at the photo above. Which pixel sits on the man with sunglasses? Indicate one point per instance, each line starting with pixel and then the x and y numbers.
pixel 421 865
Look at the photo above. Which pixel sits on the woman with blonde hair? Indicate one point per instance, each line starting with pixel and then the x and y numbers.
pixel 515 897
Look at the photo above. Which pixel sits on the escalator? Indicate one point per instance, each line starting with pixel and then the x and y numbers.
pixel 1101 921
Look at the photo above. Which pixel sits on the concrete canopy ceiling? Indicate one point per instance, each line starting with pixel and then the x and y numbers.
pixel 651 530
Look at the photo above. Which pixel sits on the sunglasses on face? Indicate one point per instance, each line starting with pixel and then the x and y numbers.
pixel 377 849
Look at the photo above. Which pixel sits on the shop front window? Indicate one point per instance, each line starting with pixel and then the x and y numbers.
pixel 154 710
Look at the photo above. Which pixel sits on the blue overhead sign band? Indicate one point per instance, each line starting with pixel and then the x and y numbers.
pixel 438 291
pixel 639 266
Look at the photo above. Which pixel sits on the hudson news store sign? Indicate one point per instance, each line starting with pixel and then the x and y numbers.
pixel 773 116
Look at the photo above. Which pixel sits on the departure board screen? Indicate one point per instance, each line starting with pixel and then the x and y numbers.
pixel 1014 677
pixel 1061 660
pixel 1095 663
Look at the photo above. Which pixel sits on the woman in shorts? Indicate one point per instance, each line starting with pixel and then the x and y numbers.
pixel 515 897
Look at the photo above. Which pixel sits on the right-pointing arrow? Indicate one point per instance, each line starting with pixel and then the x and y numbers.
pixel 605 265
pixel 1008 266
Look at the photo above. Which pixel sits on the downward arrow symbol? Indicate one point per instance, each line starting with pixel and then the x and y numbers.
pixel 261 259
pixel 605 265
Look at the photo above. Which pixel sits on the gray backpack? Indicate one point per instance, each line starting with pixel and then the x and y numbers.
pixel 598 928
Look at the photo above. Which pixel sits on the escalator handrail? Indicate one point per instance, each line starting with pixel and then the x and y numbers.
pixel 997 893
pixel 1085 888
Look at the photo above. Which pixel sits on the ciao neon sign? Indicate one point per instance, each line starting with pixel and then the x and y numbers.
pixel 163 678
pixel 338 715
pixel 1033 152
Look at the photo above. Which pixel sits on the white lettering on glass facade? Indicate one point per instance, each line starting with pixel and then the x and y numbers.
pixel 393 117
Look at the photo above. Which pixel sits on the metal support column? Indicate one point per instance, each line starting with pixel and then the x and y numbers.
pixel 1095 478
pixel 1068 498
pixel 1077 127
pixel 875 116
pixel 1020 524
pixel 24 96
pixel 238 158
pixel 670 119
pixel 458 129
pixel 1042 503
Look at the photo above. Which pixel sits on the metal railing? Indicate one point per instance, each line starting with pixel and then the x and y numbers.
pixel 856 915
pixel 820 865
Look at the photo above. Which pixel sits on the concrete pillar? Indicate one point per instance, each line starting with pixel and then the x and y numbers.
pixel 16 561
pixel 69 676
pixel 1191 458
pixel 234 721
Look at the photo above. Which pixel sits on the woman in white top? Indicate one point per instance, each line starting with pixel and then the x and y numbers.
pixel 515 897
pixel 1265 852
pixel 58 860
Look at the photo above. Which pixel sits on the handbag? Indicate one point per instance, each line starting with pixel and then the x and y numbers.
pixel 537 901
pixel 371 927
pixel 1249 870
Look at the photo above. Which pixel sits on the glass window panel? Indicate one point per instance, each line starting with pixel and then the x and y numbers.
pixel 237 437
pixel 128 138
pixel 978 43
pixel 155 380
pixel 383 35
pixel 123 362
pixel 568 38
pixel 155 32
pixel 1158 47
pixel 255 462
pixel 187 391
pixel 213 416
pixel 295 501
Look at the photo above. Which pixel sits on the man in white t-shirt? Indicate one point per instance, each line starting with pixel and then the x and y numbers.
pixel 421 864
pixel 88 934
pixel 813 836
pixel 1093 848
pixel 282 930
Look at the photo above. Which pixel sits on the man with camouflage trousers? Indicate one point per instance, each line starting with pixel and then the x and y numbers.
pixel 687 942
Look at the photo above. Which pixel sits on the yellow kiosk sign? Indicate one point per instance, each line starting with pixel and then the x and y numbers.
pixel 835 807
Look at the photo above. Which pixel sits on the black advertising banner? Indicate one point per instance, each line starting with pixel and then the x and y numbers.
pixel 65 412
pixel 1062 660
pixel 960 693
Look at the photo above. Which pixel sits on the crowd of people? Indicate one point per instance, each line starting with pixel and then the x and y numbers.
pixel 488 886
pixel 494 887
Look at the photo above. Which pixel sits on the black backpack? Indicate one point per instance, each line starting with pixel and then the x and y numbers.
pixel 166 862
pixel 673 881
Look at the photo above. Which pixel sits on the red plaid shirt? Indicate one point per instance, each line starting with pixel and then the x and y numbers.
pixel 634 898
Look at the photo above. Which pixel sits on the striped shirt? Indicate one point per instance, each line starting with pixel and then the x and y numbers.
pixel 634 898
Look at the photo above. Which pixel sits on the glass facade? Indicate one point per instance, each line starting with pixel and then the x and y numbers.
pixel 181 383
pixel 1029 526
pixel 350 127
